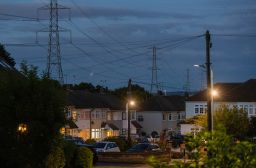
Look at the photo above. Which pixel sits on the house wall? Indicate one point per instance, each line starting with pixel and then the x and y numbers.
pixel 249 107
pixel 153 121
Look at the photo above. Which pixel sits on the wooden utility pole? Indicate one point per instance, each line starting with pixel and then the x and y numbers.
pixel 209 80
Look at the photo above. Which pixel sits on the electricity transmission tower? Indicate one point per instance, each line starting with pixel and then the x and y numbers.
pixel 154 82
pixel 53 67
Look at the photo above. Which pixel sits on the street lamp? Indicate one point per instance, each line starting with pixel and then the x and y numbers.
pixel 22 128
pixel 129 103
pixel 212 93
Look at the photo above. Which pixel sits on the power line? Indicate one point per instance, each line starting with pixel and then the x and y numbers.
pixel 102 30
pixel 235 35
pixel 18 16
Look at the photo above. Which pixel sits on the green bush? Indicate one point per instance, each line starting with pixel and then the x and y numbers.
pixel 56 159
pixel 83 158
pixel 155 163
pixel 69 151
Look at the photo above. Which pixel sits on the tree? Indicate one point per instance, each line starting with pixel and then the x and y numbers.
pixel 32 114
pixel 218 149
pixel 200 120
pixel 234 120
pixel 138 92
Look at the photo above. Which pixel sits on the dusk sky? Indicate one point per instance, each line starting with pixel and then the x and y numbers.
pixel 112 40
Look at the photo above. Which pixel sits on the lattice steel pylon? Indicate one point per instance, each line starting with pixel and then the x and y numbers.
pixel 54 68
pixel 154 82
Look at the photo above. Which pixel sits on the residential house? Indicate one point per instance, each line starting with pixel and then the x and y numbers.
pixel 161 113
pixel 98 115
pixel 240 95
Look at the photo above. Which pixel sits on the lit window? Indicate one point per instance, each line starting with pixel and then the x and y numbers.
pixel 96 133
pixel 74 115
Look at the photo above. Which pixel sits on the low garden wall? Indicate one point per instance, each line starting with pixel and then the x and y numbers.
pixel 125 157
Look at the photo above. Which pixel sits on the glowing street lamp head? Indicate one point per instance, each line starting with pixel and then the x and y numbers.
pixel 214 93
pixel 132 103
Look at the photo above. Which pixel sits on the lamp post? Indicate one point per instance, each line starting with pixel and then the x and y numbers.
pixel 129 103
pixel 212 93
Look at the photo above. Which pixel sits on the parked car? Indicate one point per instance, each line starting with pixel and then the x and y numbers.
pixel 106 146
pixel 144 147
pixel 80 143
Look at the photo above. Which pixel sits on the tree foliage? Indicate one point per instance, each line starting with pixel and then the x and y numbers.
pixel 138 92
pixel 234 120
pixel 90 87
pixel 38 104
pixel 200 120
pixel 252 127
pixel 219 150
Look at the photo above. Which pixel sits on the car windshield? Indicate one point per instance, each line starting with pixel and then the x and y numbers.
pixel 99 145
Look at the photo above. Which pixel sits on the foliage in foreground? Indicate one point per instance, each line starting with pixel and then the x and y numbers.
pixel 83 158
pixel 31 110
pixel 215 150
pixel 235 121
pixel 219 150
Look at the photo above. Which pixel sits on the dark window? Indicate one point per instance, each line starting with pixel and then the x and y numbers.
pixel 140 118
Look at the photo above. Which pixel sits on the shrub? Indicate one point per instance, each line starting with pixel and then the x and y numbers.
pixel 69 151
pixel 155 163
pixel 83 158
pixel 56 159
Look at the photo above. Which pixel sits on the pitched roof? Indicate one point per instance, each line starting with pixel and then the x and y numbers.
pixel 84 99
pixel 111 125
pixel 230 92
pixel 164 103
